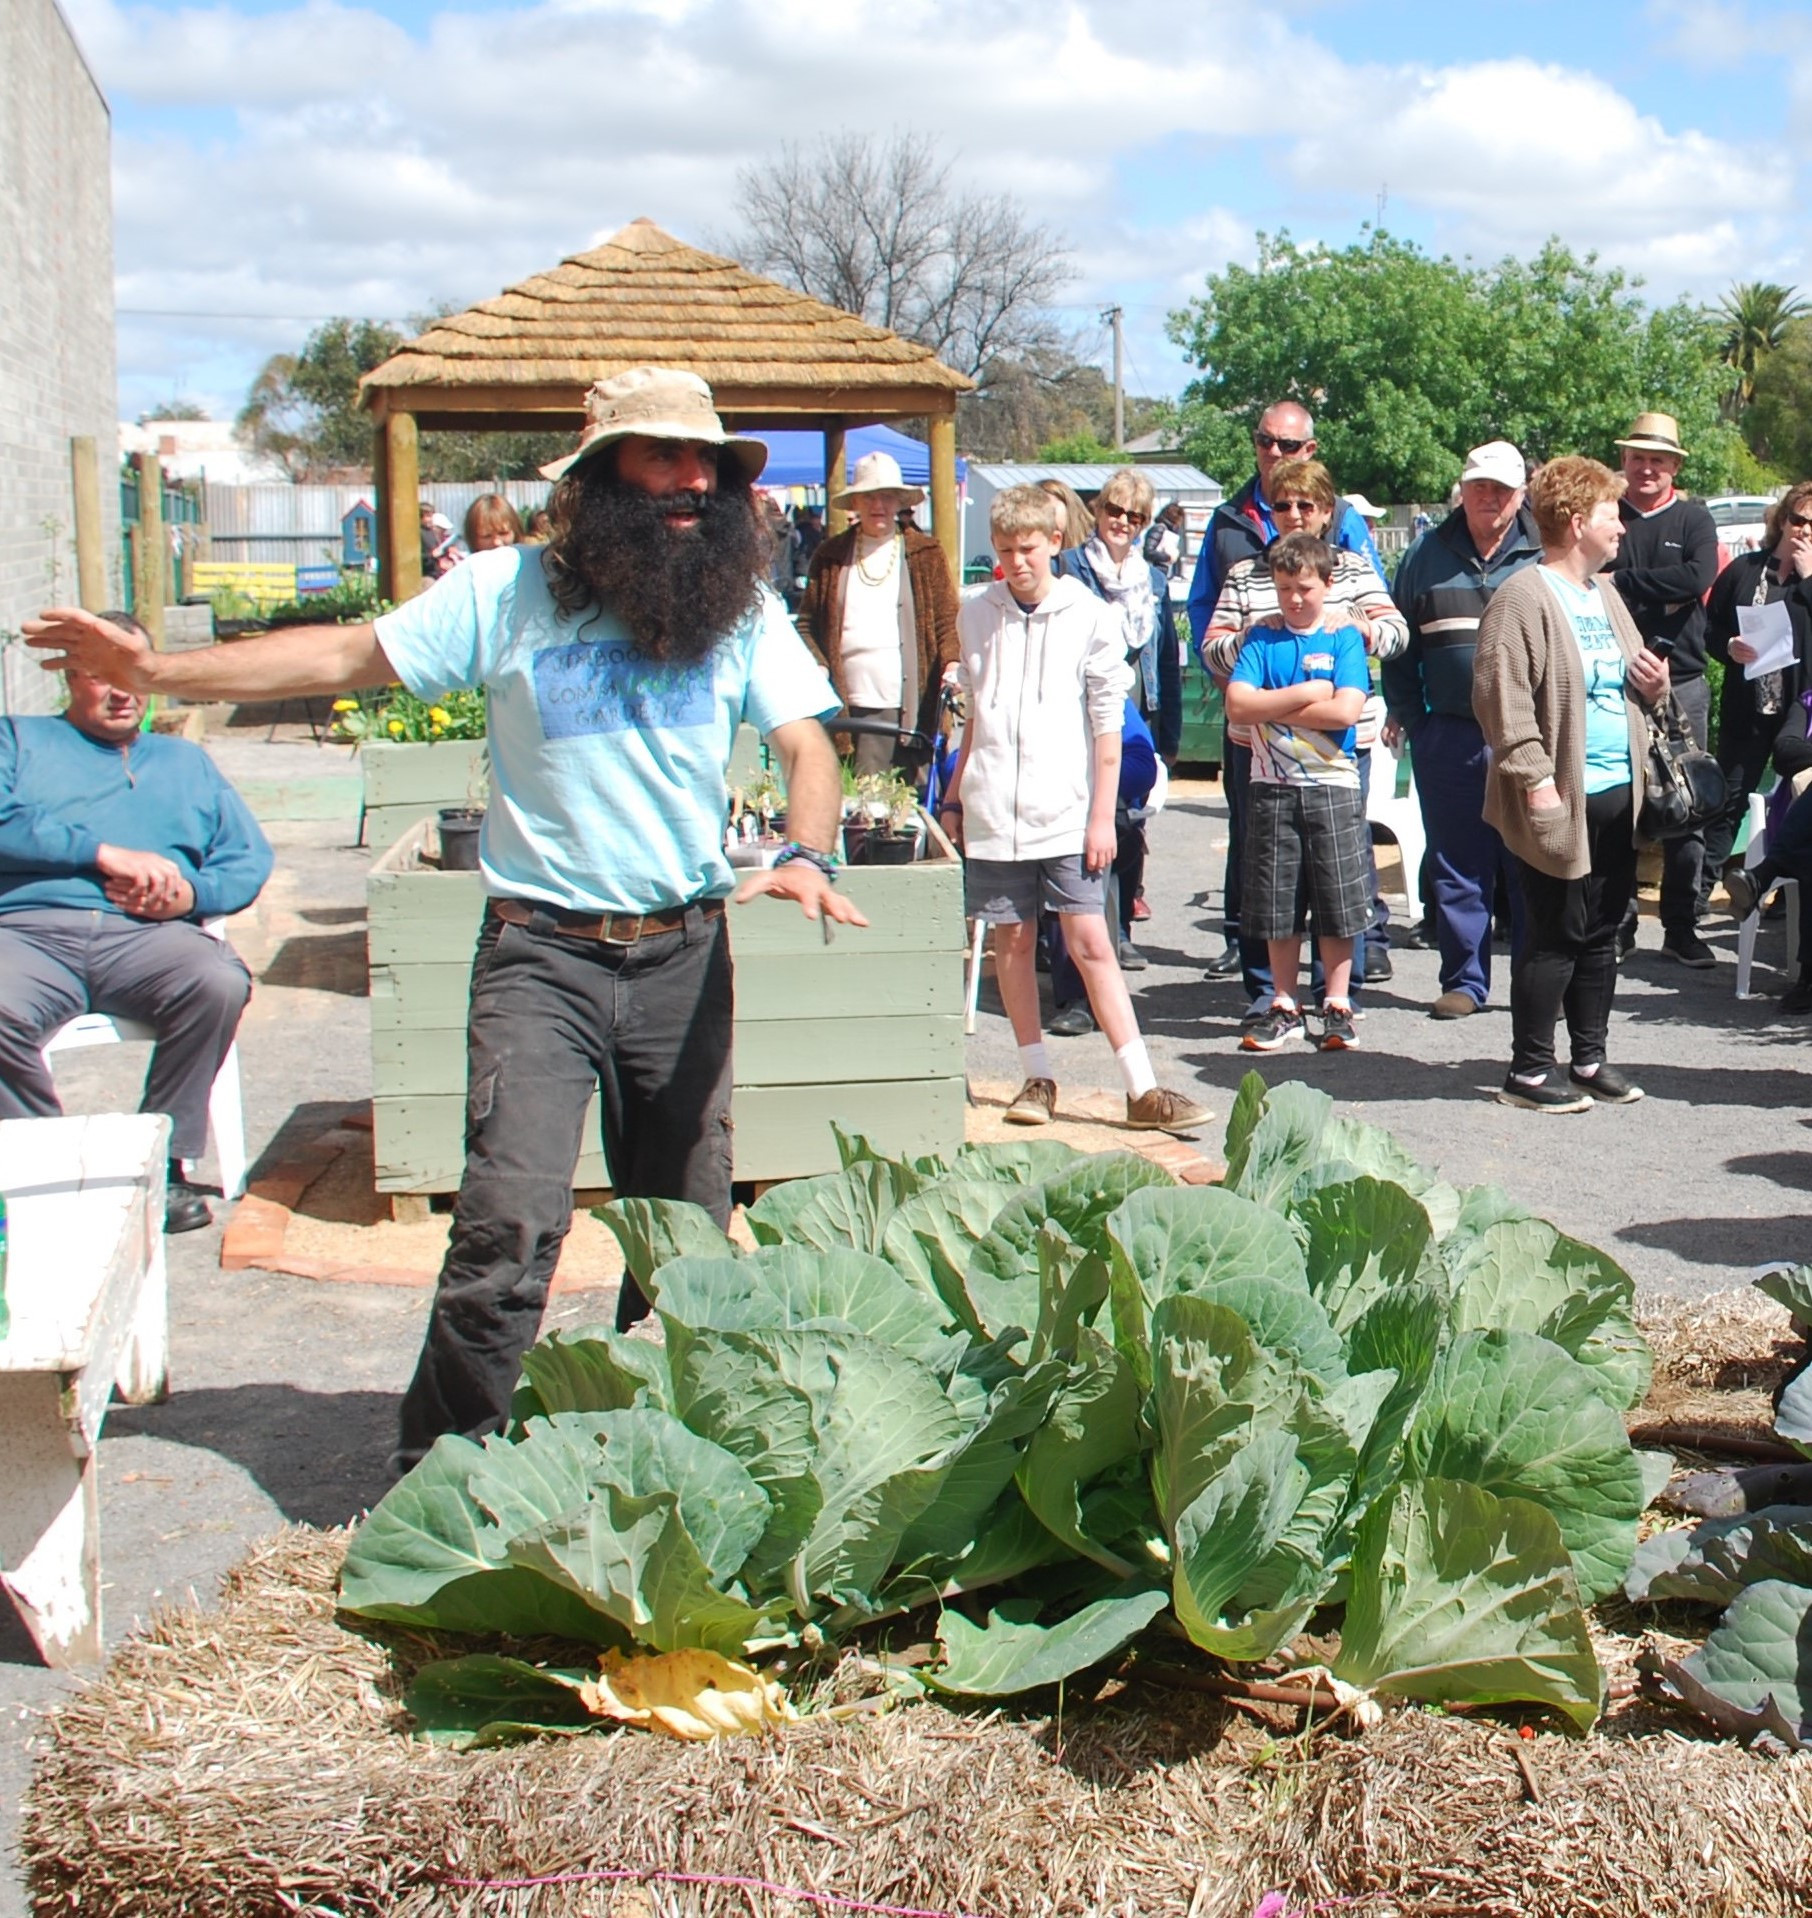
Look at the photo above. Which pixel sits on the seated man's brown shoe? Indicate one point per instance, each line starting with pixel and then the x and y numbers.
pixel 1161 1110
pixel 1036 1103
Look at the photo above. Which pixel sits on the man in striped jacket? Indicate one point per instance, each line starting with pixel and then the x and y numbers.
pixel 1443 587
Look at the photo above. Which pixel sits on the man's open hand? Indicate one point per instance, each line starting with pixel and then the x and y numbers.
pixel 802 882
pixel 144 884
pixel 86 642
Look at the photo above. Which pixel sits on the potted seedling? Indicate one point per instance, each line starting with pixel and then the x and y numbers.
pixel 460 825
pixel 890 807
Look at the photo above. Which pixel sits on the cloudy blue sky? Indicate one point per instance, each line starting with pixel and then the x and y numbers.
pixel 278 162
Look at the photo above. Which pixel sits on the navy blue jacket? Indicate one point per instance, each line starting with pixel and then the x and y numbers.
pixel 1442 589
pixel 1160 677
pixel 63 796
pixel 1668 563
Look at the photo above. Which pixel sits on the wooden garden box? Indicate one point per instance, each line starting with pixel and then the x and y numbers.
pixel 405 779
pixel 866 1030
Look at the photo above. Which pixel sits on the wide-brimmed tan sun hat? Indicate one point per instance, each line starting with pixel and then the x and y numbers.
pixel 659 403
pixel 1655 433
pixel 878 473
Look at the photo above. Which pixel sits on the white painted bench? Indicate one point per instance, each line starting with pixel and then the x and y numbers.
pixel 88 1297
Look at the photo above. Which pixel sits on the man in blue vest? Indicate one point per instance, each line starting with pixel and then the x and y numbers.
pixel 1240 527
pixel 1443 587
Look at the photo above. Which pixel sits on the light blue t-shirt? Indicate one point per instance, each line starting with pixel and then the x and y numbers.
pixel 607 769
pixel 1607 726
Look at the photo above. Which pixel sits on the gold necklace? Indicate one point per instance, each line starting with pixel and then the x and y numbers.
pixel 881 578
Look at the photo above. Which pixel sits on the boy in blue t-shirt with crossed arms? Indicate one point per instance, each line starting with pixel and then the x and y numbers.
pixel 1300 687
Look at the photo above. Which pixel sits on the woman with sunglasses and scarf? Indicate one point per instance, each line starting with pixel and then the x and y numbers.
pixel 1111 563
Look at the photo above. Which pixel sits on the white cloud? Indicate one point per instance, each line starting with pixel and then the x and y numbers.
pixel 320 158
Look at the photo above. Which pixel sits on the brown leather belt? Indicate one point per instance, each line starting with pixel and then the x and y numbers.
pixel 611 928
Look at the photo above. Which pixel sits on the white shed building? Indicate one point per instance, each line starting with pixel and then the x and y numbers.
pixel 1169 480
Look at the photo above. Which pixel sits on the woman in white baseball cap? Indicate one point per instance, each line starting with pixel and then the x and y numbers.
pixel 880 611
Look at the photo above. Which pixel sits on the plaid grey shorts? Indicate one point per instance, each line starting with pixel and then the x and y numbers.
pixel 1291 830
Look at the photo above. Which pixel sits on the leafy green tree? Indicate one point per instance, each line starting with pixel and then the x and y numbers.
pixel 1076 449
pixel 1407 360
pixel 1779 420
pixel 173 410
pixel 1755 315
pixel 303 409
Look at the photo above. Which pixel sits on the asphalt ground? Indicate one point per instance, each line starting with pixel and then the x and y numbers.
pixel 285 1390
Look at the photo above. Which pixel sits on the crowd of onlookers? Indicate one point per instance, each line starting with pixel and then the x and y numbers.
pixel 1526 644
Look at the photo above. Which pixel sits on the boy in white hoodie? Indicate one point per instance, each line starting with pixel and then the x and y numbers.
pixel 1044 669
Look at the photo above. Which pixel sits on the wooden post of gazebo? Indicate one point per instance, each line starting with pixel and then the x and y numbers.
pixel 397 473
pixel 946 518
pixel 836 471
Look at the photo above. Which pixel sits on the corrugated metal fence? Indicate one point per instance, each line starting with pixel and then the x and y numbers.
pixel 301 524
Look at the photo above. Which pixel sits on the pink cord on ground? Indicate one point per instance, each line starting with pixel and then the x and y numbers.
pixel 699 1878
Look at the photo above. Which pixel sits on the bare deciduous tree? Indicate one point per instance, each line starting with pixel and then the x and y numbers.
pixel 877 228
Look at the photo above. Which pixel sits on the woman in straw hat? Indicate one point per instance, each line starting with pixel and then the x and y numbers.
pixel 880 611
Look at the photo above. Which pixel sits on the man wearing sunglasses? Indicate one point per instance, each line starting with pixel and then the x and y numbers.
pixel 1240 528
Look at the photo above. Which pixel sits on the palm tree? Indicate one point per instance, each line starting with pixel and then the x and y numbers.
pixel 1755 315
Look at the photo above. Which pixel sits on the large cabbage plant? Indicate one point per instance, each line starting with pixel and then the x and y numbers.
pixel 1063 1399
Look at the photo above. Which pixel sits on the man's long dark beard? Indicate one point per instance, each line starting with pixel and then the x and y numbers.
pixel 677 590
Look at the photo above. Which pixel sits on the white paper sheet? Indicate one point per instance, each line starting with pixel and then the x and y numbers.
pixel 1769 630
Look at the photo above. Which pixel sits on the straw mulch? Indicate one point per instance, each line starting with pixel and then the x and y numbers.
pixel 249 1761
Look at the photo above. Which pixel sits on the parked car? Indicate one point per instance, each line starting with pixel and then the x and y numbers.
pixel 1738 518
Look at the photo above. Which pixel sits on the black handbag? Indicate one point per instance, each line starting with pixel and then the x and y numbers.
pixel 1683 787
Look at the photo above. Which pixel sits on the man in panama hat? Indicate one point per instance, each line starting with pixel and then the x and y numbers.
pixel 1664 569
pixel 619 660
pixel 880 611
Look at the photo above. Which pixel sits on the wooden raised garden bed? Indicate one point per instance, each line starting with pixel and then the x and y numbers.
pixel 866 1030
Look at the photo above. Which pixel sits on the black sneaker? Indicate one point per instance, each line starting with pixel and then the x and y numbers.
pixel 1274 1030
pixel 1689 949
pixel 1607 1085
pixel 1797 997
pixel 1224 964
pixel 1377 965
pixel 1549 1095
pixel 1421 936
pixel 1071 1022
pixel 1338 1033
pixel 1131 958
pixel 1626 938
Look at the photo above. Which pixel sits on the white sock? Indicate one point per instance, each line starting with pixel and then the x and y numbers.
pixel 1530 1078
pixel 1033 1063
pixel 1135 1067
pixel 1587 1072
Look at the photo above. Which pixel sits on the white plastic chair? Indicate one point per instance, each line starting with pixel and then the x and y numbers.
pixel 1756 852
pixel 226 1106
pixel 1400 819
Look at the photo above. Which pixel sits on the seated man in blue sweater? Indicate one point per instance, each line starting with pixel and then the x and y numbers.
pixel 113 845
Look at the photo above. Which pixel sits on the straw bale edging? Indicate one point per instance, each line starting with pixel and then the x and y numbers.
pixel 246 1762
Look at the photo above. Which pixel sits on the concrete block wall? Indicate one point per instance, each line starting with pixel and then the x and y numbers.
pixel 56 321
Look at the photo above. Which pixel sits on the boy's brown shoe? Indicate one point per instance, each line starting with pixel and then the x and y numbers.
pixel 1036 1103
pixel 1161 1110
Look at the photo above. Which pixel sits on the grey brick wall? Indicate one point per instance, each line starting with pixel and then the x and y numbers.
pixel 56 320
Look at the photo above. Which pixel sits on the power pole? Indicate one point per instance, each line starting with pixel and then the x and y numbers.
pixel 1112 318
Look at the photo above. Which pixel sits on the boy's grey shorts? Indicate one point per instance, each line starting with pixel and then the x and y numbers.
pixel 1010 892
pixel 1317 832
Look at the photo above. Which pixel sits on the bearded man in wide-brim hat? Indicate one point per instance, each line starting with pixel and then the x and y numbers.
pixel 618 661
pixel 880 611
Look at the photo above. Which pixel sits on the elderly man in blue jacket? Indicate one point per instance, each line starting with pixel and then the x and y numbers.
pixel 1443 586
pixel 114 844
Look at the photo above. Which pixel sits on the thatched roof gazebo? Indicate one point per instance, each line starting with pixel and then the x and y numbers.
pixel 523 361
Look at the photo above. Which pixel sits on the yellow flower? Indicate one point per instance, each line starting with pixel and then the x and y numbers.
pixel 437 715
pixel 346 705
pixel 396 729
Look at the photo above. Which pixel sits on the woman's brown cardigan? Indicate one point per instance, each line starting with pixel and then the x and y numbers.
pixel 1529 697
pixel 934 609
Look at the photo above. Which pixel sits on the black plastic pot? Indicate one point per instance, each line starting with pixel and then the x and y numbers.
pixel 459 838
pixel 883 849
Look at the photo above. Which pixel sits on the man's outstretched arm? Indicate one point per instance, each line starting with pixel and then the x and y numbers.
pixel 814 799
pixel 290 664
